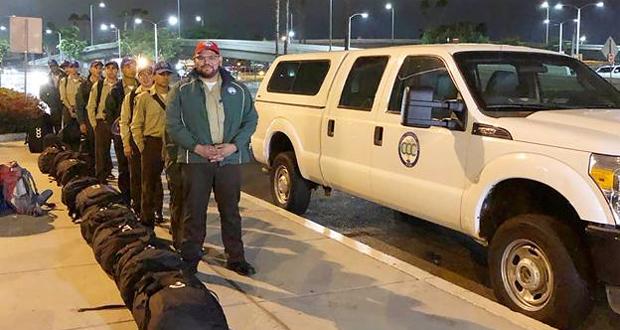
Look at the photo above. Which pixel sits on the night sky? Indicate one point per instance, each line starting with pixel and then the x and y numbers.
pixel 254 18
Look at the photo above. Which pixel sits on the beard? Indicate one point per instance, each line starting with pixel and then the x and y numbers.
pixel 207 71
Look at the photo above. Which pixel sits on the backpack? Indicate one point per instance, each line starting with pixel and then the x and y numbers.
pixel 63 155
pixel 20 190
pixel 46 159
pixel 70 169
pixel 74 187
pixel 133 263
pixel 38 130
pixel 110 237
pixel 169 300
pixel 98 196
pixel 100 215
pixel 70 134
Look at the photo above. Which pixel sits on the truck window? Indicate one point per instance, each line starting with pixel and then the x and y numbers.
pixel 362 83
pixel 422 72
pixel 298 77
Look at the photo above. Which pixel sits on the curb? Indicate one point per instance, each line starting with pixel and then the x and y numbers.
pixel 441 284
pixel 12 137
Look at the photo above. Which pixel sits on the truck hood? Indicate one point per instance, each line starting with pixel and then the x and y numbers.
pixel 595 130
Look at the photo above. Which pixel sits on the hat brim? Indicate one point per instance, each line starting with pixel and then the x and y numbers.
pixel 163 70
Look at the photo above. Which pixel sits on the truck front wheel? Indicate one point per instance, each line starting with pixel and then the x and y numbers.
pixel 538 267
pixel 289 189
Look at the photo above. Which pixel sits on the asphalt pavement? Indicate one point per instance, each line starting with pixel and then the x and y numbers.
pixel 447 254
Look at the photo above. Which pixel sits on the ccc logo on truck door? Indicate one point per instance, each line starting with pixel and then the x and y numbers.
pixel 409 149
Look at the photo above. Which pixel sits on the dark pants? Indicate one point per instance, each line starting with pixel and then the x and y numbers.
pixel 56 116
pixel 135 177
pixel 152 190
pixel 103 161
pixel 123 169
pixel 175 186
pixel 198 181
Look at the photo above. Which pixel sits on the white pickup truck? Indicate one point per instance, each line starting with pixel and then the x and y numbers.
pixel 518 148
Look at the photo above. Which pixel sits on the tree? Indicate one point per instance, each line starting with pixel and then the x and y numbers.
pixel 72 46
pixel 202 32
pixel 4 48
pixel 463 31
pixel 141 42
pixel 129 16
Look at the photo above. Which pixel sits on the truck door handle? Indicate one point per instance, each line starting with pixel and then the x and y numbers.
pixel 330 127
pixel 378 136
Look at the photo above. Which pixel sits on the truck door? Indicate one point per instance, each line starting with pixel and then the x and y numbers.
pixel 420 171
pixel 347 127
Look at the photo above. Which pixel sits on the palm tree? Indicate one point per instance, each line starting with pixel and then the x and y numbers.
pixel 74 19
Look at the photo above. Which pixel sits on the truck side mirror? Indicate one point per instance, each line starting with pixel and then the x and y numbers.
pixel 418 105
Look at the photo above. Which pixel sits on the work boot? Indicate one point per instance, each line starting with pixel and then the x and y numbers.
pixel 241 267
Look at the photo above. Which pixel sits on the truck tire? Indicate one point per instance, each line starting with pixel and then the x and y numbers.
pixel 539 267
pixel 289 189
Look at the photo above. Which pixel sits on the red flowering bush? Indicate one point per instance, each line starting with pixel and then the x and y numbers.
pixel 17 111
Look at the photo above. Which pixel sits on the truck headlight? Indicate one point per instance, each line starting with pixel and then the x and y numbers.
pixel 605 171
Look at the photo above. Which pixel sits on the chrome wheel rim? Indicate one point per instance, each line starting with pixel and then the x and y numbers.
pixel 527 275
pixel 282 184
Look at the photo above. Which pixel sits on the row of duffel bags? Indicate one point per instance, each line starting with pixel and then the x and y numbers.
pixel 147 272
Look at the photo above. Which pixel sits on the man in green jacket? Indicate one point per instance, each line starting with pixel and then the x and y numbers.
pixel 210 116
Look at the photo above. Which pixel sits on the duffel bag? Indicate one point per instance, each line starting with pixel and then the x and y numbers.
pixel 169 300
pixel 72 189
pixel 63 155
pixel 99 195
pixel 112 237
pixel 94 218
pixel 46 159
pixel 69 169
pixel 148 260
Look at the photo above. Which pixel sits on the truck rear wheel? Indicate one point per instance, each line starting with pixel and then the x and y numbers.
pixel 538 267
pixel 289 189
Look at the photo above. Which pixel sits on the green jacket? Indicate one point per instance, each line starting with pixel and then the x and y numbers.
pixel 187 122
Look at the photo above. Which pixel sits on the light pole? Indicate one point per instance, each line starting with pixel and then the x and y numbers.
pixel 200 20
pixel 391 8
pixel 559 6
pixel 331 22
pixel 105 27
pixel 172 20
pixel 178 18
pixel 362 15
pixel 49 31
pixel 92 20
pixel 545 5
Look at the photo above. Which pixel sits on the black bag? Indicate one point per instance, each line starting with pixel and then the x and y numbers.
pixel 46 159
pixel 99 195
pixel 70 134
pixel 63 155
pixel 142 262
pixel 96 216
pixel 72 189
pixel 69 169
pixel 112 236
pixel 52 140
pixel 40 127
pixel 171 301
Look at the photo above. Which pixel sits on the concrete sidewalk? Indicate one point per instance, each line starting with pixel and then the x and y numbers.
pixel 308 277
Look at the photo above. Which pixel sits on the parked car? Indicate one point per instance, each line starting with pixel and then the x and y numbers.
pixel 516 147
pixel 609 71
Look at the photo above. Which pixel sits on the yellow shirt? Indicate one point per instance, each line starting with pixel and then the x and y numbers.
pixel 92 100
pixel 68 89
pixel 127 116
pixel 149 118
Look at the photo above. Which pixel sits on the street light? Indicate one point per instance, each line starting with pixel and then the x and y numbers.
pixel 172 20
pixel 559 6
pixel 49 31
pixel 112 27
pixel 92 20
pixel 200 20
pixel 545 5
pixel 391 8
pixel 2 28
pixel 362 15
pixel 331 23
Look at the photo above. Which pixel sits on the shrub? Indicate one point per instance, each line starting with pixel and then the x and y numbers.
pixel 17 111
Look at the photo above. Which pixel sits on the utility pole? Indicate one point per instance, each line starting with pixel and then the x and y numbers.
pixel 277 27
pixel 286 36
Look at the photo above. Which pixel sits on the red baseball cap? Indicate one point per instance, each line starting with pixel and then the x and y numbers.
pixel 206 45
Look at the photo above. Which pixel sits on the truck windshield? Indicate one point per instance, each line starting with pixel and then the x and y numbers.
pixel 517 83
